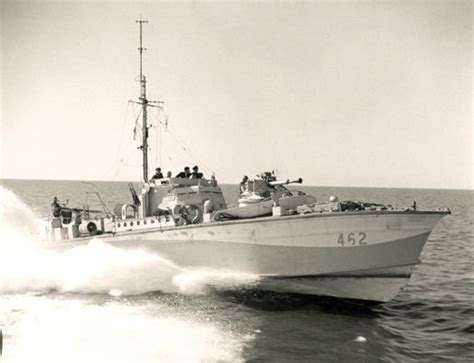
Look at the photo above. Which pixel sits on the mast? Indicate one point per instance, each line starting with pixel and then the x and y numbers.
pixel 144 104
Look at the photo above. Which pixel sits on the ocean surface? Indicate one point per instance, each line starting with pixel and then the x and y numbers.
pixel 97 303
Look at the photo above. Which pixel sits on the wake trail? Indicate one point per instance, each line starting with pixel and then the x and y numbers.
pixel 97 267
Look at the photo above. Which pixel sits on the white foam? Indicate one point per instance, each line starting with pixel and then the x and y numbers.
pixel 19 227
pixel 44 329
pixel 71 331
pixel 93 268
pixel 195 281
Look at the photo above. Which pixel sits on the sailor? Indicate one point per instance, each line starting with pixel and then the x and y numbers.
pixel 242 184
pixel 268 176
pixel 169 175
pixel 55 207
pixel 196 174
pixel 158 174
pixel 184 174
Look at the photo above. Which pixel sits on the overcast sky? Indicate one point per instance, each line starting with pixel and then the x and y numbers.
pixel 344 94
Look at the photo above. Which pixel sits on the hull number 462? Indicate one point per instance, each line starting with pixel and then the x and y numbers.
pixel 352 239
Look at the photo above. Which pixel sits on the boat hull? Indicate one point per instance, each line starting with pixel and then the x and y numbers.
pixel 361 255
pixel 377 285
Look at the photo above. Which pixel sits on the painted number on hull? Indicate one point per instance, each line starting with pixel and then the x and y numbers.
pixel 352 238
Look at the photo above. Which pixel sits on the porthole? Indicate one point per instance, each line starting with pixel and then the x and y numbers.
pixel 152 221
pixel 118 224
pixel 138 223
pixel 144 222
pixel 125 224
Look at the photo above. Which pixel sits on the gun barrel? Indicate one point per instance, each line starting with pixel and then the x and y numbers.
pixel 288 181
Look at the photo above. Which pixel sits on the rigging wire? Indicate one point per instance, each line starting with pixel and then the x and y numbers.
pixel 123 161
pixel 159 137
pixel 137 125
pixel 169 157
pixel 116 162
pixel 190 153
pixel 130 165
pixel 124 156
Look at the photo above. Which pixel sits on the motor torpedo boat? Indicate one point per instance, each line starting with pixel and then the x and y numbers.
pixel 342 249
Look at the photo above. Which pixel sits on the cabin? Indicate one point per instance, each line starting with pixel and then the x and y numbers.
pixel 189 199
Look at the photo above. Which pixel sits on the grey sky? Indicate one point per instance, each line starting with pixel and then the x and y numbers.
pixel 356 93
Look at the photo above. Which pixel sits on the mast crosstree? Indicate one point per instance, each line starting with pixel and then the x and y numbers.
pixel 145 103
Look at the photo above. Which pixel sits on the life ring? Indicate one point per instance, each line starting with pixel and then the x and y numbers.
pixel 92 228
pixel 89 228
pixel 191 213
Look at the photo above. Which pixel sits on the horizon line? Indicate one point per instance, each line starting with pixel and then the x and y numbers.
pixel 303 185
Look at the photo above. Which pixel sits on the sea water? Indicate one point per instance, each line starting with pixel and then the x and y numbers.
pixel 97 303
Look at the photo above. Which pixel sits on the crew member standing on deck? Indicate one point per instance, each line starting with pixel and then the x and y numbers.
pixel 242 184
pixel 196 174
pixel 158 174
pixel 55 207
pixel 184 174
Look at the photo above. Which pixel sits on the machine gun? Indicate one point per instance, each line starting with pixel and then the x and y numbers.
pixel 136 199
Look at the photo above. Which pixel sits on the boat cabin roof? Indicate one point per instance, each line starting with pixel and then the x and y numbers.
pixel 182 182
